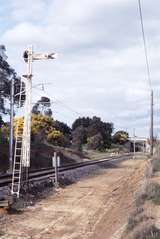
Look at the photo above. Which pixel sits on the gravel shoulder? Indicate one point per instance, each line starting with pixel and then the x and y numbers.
pixel 96 207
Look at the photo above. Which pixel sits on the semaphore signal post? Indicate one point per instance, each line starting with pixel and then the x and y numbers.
pixel 23 132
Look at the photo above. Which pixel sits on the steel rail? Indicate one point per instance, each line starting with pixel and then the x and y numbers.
pixel 5 180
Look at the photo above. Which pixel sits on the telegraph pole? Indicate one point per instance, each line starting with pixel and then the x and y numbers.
pixel 151 126
pixel 134 143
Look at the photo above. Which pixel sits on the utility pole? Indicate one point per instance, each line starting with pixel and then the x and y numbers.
pixel 11 123
pixel 151 126
pixel 134 142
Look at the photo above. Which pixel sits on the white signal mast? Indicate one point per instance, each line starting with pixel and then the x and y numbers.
pixel 23 135
pixel 29 57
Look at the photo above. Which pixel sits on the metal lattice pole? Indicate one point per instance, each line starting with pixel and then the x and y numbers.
pixel 11 124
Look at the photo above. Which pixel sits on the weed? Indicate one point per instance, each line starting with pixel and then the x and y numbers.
pixel 134 221
pixel 140 200
pixel 153 193
pixel 149 233
pixel 156 166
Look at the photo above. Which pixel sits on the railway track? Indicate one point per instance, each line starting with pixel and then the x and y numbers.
pixel 44 173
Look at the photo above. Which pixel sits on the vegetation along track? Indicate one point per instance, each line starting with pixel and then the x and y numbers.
pixel 44 173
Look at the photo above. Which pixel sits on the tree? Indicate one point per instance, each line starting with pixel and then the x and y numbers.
pixel 4 140
pixel 84 121
pixel 96 142
pixel 120 137
pixel 62 127
pixel 79 137
pixel 42 129
pixel 98 127
pixel 56 137
pixel 6 73
pixel 1 121
pixel 42 107
pixel 65 129
pixel 41 126
pixel 4 134
pixel 84 130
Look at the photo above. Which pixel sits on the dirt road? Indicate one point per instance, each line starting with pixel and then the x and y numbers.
pixel 94 208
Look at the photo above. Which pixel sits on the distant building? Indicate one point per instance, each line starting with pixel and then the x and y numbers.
pixel 141 144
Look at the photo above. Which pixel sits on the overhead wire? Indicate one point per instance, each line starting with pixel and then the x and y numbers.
pixel 149 77
pixel 56 101
pixel 145 45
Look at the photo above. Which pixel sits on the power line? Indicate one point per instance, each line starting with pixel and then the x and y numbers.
pixel 144 44
pixel 57 101
pixel 68 107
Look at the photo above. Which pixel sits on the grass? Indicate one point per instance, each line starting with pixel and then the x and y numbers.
pixel 140 225
pixel 95 154
pixel 150 233
pixel 141 228
pixel 134 221
pixel 153 237
pixel 140 200
pixel 153 193
pixel 156 167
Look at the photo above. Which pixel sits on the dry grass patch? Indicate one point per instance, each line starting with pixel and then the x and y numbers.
pixel 141 223
pixel 134 221
pixel 147 232
pixel 143 230
pixel 156 166
pixel 152 193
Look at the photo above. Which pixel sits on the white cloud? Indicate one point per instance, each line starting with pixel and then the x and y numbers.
pixel 23 33
pixel 28 10
pixel 101 69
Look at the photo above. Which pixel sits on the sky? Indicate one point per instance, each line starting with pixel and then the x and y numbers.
pixel 100 69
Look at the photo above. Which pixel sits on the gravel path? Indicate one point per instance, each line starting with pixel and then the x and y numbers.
pixel 96 207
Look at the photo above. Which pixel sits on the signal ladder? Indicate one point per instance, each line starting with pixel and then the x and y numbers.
pixel 17 161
